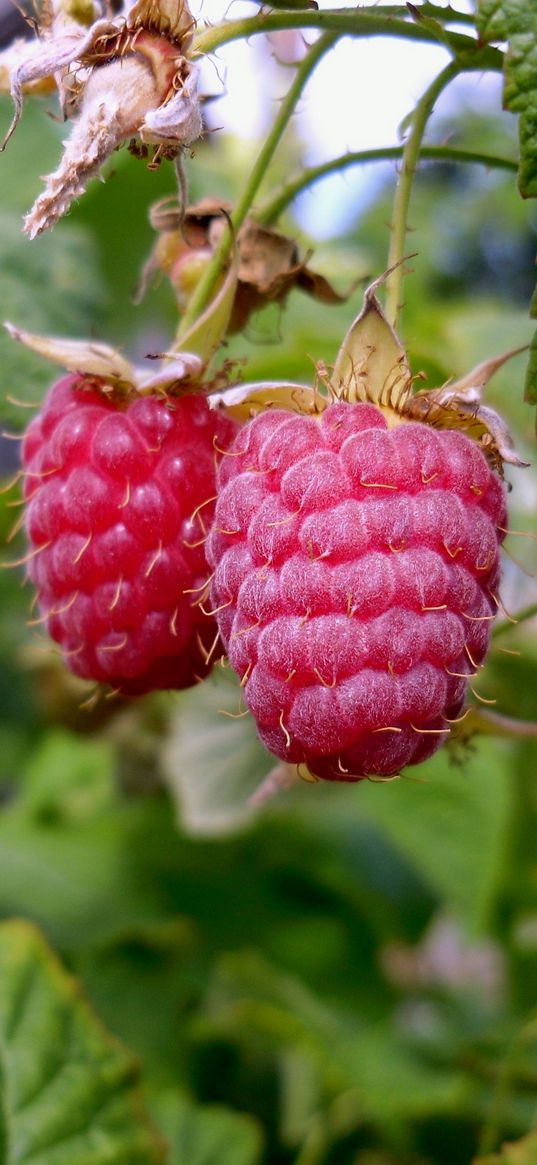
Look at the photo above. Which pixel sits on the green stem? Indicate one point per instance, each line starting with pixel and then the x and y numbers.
pixel 492 1129
pixel 526 613
pixel 348 21
pixel 410 158
pixel 273 207
pixel 205 288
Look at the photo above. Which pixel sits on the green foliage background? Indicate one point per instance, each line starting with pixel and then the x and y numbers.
pixel 346 976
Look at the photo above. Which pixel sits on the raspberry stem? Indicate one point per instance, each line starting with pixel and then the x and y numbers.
pixel 390 21
pixel 410 158
pixel 274 206
pixel 205 288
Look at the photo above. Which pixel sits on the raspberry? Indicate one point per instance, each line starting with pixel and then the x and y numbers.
pixel 117 500
pixel 355 569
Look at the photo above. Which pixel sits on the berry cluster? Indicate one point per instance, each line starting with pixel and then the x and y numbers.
pixel 354 566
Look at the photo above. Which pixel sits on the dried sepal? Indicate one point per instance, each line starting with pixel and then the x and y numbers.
pixel 84 356
pixel 244 401
pixel 178 121
pixel 115 101
pixel 458 405
pixel 44 64
pixel 371 364
pixel 178 371
pixel 12 59
pixel 122 79
pixel 170 18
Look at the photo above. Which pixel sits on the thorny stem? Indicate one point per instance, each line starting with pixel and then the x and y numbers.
pixel 207 283
pixel 410 158
pixel 353 22
pixel 273 207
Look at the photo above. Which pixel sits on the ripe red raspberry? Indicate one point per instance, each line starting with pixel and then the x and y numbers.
pixel 116 511
pixel 355 571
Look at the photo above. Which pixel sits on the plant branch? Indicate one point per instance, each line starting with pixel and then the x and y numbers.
pixel 410 158
pixel 273 207
pixel 354 22
pixel 203 291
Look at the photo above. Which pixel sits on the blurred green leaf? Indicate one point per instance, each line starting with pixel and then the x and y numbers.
pixel 523 1152
pixel 467 808
pixel 206 1134
pixel 68 777
pixel 68 1090
pixel 336 1053
pixel 491 19
pixel 66 297
pixel 213 762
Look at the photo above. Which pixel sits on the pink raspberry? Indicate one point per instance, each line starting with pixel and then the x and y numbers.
pixel 118 501
pixel 355 569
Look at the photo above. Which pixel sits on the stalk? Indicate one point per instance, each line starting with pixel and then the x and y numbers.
pixel 410 157
pixel 275 205
pixel 352 22
pixel 206 286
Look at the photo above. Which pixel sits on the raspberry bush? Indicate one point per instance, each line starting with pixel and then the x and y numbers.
pixel 255 547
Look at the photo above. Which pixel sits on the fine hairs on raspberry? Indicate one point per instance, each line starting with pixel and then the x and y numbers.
pixel 355 568
pixel 119 498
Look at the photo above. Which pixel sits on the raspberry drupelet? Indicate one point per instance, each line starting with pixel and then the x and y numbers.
pixel 118 498
pixel 356 569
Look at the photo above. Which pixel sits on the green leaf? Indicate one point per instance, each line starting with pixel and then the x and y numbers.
pixel 491 23
pixel 83 880
pixel 68 1090
pixel 325 1051
pixel 212 761
pixel 68 777
pixel 468 808
pixel 523 1152
pixel 206 1134
pixel 516 22
pixel 125 976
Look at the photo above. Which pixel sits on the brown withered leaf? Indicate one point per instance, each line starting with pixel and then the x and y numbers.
pixel 269 263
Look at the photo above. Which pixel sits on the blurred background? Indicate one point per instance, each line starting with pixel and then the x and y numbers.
pixel 347 975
